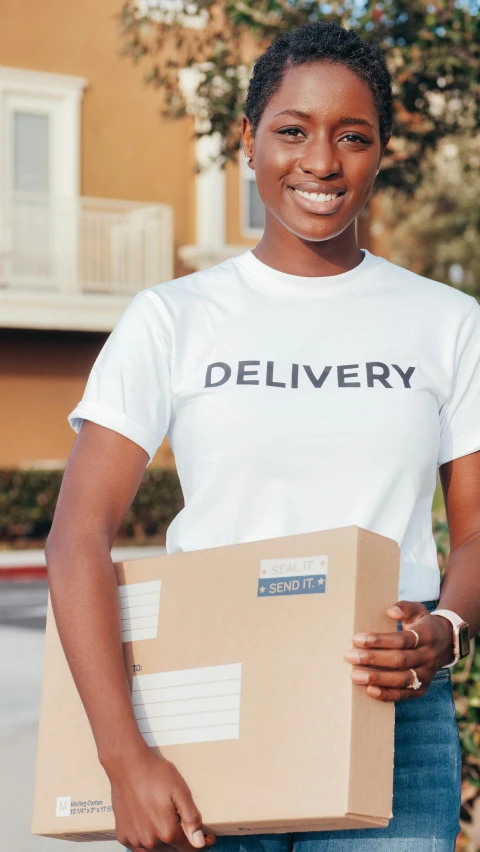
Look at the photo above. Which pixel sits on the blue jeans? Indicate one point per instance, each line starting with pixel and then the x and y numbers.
pixel 426 787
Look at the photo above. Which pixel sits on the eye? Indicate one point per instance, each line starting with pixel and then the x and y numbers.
pixel 290 131
pixel 356 138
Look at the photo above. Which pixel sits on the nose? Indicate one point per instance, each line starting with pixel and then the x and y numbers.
pixel 320 158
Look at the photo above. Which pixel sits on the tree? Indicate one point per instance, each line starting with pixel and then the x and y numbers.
pixel 435 230
pixel 432 50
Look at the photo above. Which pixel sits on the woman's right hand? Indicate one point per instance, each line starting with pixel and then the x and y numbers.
pixel 153 805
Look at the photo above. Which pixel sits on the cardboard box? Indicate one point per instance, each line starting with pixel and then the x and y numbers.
pixel 236 657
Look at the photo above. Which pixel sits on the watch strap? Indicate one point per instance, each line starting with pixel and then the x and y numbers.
pixel 456 621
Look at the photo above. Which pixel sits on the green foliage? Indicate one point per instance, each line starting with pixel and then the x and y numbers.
pixel 158 501
pixel 467 701
pixel 28 499
pixel 466 689
pixel 435 231
pixel 432 49
pixel 27 502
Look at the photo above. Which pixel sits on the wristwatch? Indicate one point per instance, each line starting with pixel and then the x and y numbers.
pixel 461 634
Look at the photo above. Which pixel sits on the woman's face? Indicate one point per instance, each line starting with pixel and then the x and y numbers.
pixel 318 134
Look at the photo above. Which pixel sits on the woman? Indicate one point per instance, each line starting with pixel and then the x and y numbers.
pixel 306 384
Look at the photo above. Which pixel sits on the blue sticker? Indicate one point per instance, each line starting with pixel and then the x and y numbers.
pixel 314 584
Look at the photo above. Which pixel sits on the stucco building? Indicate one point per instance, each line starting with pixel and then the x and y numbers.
pixel 98 200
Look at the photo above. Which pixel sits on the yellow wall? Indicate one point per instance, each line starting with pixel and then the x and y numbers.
pixel 42 378
pixel 127 150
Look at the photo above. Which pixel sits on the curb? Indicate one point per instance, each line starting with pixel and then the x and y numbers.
pixel 29 565
pixel 22 565
pixel 23 573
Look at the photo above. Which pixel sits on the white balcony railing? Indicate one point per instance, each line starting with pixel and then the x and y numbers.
pixel 83 245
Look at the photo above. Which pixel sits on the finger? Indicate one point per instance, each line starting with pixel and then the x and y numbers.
pixel 406 611
pixel 190 816
pixel 168 831
pixel 389 658
pixel 384 678
pixel 386 694
pixel 160 847
pixel 209 837
pixel 401 640
pixel 182 843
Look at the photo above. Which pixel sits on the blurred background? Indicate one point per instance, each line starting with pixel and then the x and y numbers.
pixel 119 169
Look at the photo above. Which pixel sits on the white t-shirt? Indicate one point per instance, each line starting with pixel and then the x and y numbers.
pixel 295 404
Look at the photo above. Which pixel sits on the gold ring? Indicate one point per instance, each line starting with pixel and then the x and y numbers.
pixel 416 684
pixel 417 637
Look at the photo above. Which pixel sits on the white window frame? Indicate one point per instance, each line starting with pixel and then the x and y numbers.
pixel 59 96
pixel 246 174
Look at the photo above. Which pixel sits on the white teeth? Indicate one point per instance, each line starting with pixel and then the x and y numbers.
pixel 318 196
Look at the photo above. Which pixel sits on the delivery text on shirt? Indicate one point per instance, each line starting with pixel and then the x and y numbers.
pixel 371 374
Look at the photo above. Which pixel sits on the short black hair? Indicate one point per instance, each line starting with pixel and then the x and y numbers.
pixel 313 42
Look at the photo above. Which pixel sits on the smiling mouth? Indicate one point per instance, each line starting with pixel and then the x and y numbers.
pixel 318 196
pixel 318 202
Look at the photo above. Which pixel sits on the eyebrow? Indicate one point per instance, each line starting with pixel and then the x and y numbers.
pixel 297 113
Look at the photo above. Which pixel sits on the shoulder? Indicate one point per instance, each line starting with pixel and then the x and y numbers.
pixel 154 314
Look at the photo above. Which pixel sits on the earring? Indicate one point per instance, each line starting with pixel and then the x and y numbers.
pixel 377 171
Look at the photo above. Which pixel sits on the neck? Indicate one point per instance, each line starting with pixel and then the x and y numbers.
pixel 287 252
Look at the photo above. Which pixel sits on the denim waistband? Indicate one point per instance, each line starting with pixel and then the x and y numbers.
pixel 431 605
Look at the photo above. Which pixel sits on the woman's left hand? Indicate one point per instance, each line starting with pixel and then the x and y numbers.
pixel 382 661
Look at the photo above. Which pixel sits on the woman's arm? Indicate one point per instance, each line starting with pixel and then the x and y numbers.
pixel 460 481
pixel 382 661
pixel 101 479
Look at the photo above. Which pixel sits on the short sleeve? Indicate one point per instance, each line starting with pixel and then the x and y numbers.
pixel 128 389
pixel 460 414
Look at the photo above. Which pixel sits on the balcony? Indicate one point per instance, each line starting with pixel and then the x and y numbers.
pixel 76 263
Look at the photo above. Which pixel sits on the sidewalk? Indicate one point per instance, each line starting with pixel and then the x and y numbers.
pixel 23 604
pixel 21 656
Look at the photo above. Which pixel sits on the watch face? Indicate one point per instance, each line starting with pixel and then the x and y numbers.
pixel 463 640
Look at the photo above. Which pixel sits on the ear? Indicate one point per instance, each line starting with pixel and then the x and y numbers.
pixel 384 147
pixel 247 140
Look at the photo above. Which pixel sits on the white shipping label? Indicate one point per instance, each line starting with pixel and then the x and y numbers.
pixel 140 604
pixel 189 705
pixel 64 806
pixel 298 566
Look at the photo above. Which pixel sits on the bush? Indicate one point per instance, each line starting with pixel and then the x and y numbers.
pixel 28 499
pixel 466 689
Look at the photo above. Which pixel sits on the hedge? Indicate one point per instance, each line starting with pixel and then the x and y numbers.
pixel 28 498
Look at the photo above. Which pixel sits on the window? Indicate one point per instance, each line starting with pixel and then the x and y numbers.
pixel 39 168
pixel 31 146
pixel 252 209
pixel 39 131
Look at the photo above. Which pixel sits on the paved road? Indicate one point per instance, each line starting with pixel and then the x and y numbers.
pixel 22 621
pixel 23 604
